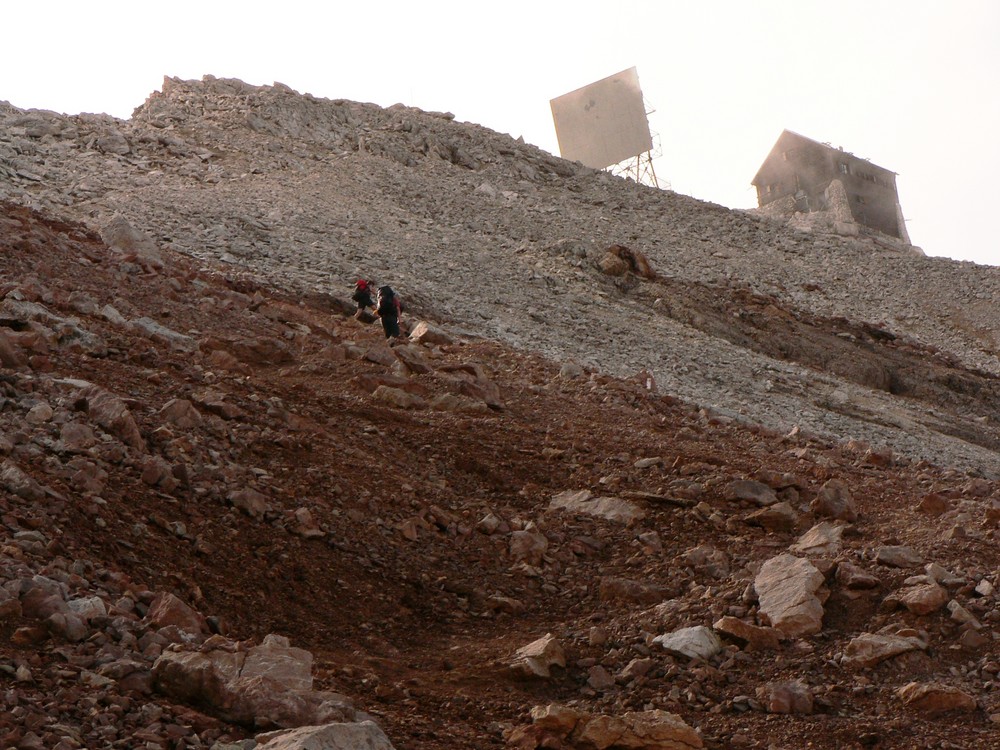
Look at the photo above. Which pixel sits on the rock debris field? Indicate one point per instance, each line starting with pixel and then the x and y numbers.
pixel 644 472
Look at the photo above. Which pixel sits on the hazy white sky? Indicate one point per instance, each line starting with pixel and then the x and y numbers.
pixel 912 85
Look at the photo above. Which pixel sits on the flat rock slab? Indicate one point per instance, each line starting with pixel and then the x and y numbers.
pixel 899 557
pixel 822 540
pixel 609 508
pixel 868 649
pixel 748 490
pixel 341 736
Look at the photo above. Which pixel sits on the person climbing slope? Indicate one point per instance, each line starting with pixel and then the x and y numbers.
pixel 388 310
pixel 363 295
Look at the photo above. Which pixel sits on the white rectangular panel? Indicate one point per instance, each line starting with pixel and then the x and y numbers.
pixel 603 123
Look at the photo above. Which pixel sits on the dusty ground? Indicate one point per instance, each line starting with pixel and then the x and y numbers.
pixel 407 607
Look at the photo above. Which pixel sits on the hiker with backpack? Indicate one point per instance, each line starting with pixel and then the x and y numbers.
pixel 388 310
pixel 363 295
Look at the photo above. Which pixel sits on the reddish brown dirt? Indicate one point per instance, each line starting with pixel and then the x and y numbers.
pixel 405 627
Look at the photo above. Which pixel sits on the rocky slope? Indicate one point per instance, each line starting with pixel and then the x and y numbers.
pixel 499 239
pixel 229 507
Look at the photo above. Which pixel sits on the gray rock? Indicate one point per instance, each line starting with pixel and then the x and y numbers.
pixel 88 607
pixel 751 491
pixel 159 332
pixel 14 480
pixel 571 371
pixel 539 657
pixel 694 642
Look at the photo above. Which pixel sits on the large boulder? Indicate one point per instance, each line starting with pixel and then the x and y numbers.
pixel 618 260
pixel 427 333
pixel 930 698
pixel 166 609
pixel 539 657
pixel 787 590
pixel 569 728
pixel 269 685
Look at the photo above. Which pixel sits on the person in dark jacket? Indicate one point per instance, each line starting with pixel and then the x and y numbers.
pixel 388 311
pixel 363 295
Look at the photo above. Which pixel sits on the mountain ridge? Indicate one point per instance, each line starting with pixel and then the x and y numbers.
pixel 475 225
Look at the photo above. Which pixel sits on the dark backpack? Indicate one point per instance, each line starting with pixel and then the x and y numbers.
pixel 389 303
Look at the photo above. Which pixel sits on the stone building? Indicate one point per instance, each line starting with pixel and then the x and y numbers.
pixel 803 176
